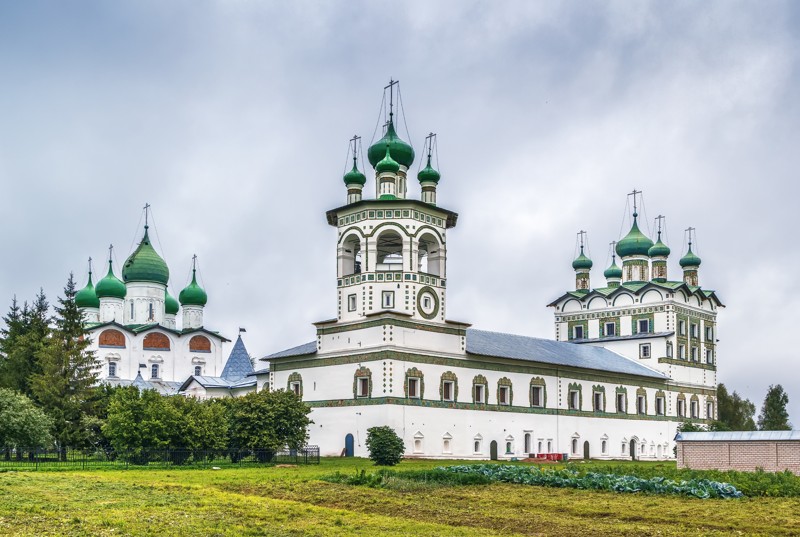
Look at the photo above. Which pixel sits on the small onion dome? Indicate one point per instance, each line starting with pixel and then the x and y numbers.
pixel 428 174
pixel 388 164
pixel 193 294
pixel 690 259
pixel 355 177
pixel 613 271
pixel 582 262
pixel 634 243
pixel 401 151
pixel 145 265
pixel 170 304
pixel 110 286
pixel 659 249
pixel 86 297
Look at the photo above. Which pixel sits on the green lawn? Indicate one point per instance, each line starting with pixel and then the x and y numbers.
pixel 293 501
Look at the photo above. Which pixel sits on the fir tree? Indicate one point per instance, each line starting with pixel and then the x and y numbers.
pixel 21 339
pixel 774 416
pixel 64 388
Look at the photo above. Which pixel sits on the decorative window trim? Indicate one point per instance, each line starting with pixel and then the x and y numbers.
pixel 621 390
pixel 538 382
pixel 645 351
pixel 295 378
pixel 449 376
pixel 680 412
pixel 506 383
pixel 480 380
pixel 362 372
pixel 574 387
pixel 641 392
pixel 694 403
pixel 660 395
pixel 598 389
pixel 196 360
pixel 414 373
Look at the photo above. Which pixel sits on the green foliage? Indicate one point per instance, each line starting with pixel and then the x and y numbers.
pixel 385 447
pixel 268 420
pixel 689 427
pixel 22 424
pixel 774 416
pixel 23 336
pixel 733 412
pixel 65 384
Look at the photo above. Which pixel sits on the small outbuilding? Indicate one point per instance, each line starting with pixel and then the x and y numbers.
pixel 772 451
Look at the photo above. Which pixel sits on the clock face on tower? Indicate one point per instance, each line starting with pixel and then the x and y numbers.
pixel 427 303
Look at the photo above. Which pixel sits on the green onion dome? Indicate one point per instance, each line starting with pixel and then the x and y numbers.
pixel 110 286
pixel 428 174
pixel 170 304
pixel 634 243
pixel 400 150
pixel 659 249
pixel 613 272
pixel 388 164
pixel 354 176
pixel 86 297
pixel 582 262
pixel 690 259
pixel 145 265
pixel 193 294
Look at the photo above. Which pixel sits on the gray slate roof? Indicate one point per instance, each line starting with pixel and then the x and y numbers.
pixel 164 387
pixel 530 349
pixel 238 365
pixel 641 335
pixel 737 436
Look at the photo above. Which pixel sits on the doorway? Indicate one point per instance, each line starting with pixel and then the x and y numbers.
pixel 349 449
pixel 586 450
pixel 493 450
pixel 527 444
pixel 632 449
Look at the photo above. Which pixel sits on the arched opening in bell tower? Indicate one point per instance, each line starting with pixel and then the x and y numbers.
pixel 430 258
pixel 351 258
pixel 390 251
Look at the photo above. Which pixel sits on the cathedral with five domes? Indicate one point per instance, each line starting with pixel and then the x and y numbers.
pixel 631 359
pixel 135 334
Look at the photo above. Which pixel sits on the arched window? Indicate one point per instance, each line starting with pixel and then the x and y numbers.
pixel 350 256
pixel 418 442
pixel 151 312
pixel 295 384
pixel 574 445
pixel 155 341
pixel 448 387
pixel 415 383
pixel 430 257
pixel 154 370
pixel 505 394
pixel 112 369
pixel 112 338
pixel 390 251
pixel 199 344
pixel 362 383
pixel 198 370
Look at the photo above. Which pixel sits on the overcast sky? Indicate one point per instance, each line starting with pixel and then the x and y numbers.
pixel 232 119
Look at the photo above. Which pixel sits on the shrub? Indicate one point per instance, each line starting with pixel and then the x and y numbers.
pixel 268 421
pixel 385 447
pixel 22 424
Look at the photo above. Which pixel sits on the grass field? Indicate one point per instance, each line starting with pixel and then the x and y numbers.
pixel 293 501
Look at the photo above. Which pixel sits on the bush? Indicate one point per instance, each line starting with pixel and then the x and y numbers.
pixel 268 421
pixel 22 424
pixel 385 447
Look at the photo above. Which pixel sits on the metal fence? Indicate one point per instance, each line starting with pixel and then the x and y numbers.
pixel 33 459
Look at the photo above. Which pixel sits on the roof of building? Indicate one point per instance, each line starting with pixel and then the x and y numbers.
pixel 145 265
pixel 531 349
pixel 217 382
pixel 139 328
pixel 637 288
pixel 193 294
pixel 164 387
pixel 737 436
pixel 398 149
pixel 238 365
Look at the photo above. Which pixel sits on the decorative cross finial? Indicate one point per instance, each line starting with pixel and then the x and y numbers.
pixel 110 252
pixel 659 219
pixel 194 262
pixel 390 87
pixel 581 234
pixel 146 213
pixel 429 140
pixel 90 266
pixel 690 231
pixel 613 245
pixel 634 200
pixel 354 140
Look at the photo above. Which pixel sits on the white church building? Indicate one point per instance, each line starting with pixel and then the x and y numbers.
pixel 631 359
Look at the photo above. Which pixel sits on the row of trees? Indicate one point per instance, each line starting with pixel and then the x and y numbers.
pixel 49 396
pixel 734 413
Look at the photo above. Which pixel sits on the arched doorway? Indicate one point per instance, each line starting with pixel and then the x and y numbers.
pixel 527 443
pixel 586 450
pixel 493 450
pixel 349 449
pixel 632 450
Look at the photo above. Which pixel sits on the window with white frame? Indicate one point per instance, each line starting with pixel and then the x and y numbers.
pixel 624 447
pixel 426 302
pixel 363 386
pixel 537 394
pixel 388 299
pixel 574 400
pixel 413 387
pixel 574 445
pixel 477 444
pixel 660 406
pixel 418 447
pixel 509 448
pixel 294 386
pixel 682 352
pixel 198 370
pixel 669 350
pixel 549 446
pixel 709 333
pixel 598 402
pixel 681 408
pixel 694 354
pixel 351 302
pixel 621 403
pixel 682 327
pixel 710 410
pixel 503 395
pixel 644 350
pixel 112 369
pixel 694 330
pixel 154 371
pixel 604 447
pixel 447 444
pixel 641 404
pixel 610 329
pixel 577 332
pixel 539 446
pixel 480 393
pixel 709 356
pixel 644 326
pixel 695 411
pixel 448 389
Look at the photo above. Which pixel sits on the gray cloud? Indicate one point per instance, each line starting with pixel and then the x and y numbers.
pixel 232 119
